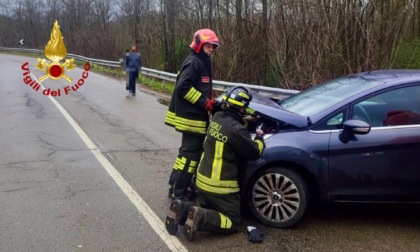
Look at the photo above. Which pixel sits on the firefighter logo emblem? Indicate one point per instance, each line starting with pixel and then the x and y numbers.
pixel 55 51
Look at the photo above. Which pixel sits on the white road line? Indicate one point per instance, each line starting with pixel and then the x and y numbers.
pixel 171 241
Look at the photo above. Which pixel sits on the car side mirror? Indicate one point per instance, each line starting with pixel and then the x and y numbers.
pixel 353 127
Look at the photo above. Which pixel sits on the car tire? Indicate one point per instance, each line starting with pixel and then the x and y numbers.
pixel 278 197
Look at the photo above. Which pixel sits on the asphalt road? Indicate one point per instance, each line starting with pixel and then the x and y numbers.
pixel 61 192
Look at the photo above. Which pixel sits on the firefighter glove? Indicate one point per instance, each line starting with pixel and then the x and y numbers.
pixel 254 235
pixel 261 128
pixel 210 105
pixel 251 118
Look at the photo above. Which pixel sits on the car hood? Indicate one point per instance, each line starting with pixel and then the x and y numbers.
pixel 267 107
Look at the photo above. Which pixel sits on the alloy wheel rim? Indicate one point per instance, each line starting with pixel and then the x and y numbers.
pixel 276 197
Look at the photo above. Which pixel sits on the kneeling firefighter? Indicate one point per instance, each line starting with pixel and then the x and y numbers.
pixel 227 145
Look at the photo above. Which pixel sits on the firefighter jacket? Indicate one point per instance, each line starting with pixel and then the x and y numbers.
pixel 228 143
pixel 193 88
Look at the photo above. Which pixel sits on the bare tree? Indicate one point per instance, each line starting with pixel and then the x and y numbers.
pixel 281 43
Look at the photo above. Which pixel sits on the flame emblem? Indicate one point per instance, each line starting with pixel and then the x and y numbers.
pixel 55 50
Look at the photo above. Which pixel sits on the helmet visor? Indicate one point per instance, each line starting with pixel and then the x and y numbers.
pixel 215 44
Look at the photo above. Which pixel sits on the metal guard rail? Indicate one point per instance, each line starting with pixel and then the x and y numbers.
pixel 277 93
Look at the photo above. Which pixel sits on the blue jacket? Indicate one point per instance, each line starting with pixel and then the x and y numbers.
pixel 132 62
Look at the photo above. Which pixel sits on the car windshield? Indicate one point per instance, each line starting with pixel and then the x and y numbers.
pixel 317 98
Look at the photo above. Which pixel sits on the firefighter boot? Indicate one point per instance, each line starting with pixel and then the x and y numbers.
pixel 178 212
pixel 180 187
pixel 195 219
pixel 171 183
pixel 170 192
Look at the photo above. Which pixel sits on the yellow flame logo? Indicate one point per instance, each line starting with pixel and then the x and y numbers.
pixel 55 50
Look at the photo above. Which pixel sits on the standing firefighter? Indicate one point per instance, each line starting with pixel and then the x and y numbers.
pixel 189 109
pixel 228 144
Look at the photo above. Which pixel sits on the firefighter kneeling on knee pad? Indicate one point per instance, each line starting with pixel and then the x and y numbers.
pixel 228 143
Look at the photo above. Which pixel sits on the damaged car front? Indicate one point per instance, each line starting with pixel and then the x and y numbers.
pixel 273 187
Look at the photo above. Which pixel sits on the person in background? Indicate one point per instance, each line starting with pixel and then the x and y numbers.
pixel 188 112
pixel 228 144
pixel 127 85
pixel 132 67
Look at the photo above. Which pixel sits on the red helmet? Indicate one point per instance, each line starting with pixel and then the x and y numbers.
pixel 204 36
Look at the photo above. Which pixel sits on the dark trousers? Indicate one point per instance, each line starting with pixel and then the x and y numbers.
pixel 132 78
pixel 222 211
pixel 186 163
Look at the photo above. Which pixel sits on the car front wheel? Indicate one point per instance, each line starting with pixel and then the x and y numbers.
pixel 278 197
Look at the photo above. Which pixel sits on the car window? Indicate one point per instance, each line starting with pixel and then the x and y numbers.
pixel 333 121
pixel 336 120
pixel 396 107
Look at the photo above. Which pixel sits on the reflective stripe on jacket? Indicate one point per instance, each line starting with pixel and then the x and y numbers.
pixel 193 88
pixel 228 144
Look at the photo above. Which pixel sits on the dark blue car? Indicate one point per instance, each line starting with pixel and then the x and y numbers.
pixel 351 139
